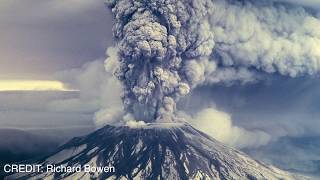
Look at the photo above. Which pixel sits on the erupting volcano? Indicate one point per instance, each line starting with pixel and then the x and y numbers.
pixel 165 49
pixel 155 151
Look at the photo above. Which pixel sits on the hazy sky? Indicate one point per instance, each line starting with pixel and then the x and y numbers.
pixel 41 37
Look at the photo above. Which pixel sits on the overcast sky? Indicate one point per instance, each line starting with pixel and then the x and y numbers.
pixel 41 37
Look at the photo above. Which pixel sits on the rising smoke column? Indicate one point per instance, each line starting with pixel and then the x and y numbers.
pixel 168 47
pixel 154 40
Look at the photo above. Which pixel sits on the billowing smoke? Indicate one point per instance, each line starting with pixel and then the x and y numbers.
pixel 219 125
pixel 168 47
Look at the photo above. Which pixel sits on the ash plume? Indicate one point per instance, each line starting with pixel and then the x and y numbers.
pixel 168 47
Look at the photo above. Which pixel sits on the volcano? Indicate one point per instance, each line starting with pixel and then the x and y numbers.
pixel 154 151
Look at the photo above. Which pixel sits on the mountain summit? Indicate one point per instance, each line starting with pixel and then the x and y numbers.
pixel 154 151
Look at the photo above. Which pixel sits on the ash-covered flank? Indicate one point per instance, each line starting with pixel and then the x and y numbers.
pixel 155 151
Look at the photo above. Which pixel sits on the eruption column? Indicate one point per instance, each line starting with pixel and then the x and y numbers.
pixel 152 44
pixel 168 47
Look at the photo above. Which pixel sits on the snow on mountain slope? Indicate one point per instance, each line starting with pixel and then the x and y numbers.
pixel 176 151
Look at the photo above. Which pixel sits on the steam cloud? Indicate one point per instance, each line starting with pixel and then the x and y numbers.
pixel 219 125
pixel 168 47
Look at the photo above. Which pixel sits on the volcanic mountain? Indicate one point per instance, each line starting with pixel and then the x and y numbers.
pixel 155 151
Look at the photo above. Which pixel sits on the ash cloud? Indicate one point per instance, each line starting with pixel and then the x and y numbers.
pixel 307 3
pixel 167 48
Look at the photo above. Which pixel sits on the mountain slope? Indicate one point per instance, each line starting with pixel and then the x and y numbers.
pixel 14 148
pixel 173 151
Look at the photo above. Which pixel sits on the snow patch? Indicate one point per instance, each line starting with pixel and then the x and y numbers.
pixel 92 150
pixel 66 154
